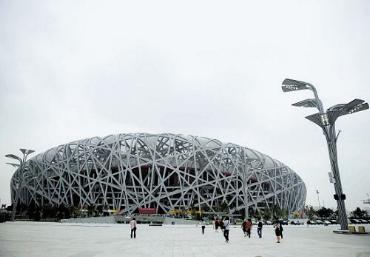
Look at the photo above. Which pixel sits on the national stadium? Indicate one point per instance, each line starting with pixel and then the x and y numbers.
pixel 161 172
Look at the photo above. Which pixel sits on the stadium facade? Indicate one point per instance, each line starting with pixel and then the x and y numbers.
pixel 162 171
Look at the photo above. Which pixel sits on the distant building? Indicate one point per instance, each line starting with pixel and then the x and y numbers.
pixel 166 172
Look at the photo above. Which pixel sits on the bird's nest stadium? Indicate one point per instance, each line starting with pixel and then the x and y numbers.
pixel 164 172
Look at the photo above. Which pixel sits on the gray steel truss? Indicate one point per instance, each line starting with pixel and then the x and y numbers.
pixel 163 171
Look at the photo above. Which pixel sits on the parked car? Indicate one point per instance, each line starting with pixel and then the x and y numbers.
pixel 311 222
pixel 326 222
pixel 333 222
pixel 319 222
pixel 294 222
pixel 284 222
pixel 354 221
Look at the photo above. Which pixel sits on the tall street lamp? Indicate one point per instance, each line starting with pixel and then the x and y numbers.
pixel 326 120
pixel 21 165
pixel 318 197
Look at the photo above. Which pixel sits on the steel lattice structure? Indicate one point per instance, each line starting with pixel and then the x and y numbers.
pixel 163 171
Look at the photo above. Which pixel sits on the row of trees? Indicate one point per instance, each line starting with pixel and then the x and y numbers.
pixel 37 213
pixel 328 213
pixel 266 214
pixel 360 214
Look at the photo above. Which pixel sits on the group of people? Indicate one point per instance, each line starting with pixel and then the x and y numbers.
pixel 224 225
pixel 246 226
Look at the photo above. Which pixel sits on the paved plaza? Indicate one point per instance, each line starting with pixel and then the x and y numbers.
pixel 31 239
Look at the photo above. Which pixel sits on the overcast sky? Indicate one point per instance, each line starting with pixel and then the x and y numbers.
pixel 77 69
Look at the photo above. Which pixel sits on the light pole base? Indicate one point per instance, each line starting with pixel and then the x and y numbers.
pixel 347 232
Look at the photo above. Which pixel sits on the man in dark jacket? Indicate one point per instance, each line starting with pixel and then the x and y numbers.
pixel 281 229
pixel 259 228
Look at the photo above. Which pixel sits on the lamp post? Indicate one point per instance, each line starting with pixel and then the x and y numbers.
pixel 21 166
pixel 318 197
pixel 326 120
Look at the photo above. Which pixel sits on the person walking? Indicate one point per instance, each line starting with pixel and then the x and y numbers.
pixel 244 227
pixel 281 229
pixel 248 227
pixel 226 227
pixel 133 225
pixel 203 224
pixel 259 228
pixel 277 231
pixel 217 224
